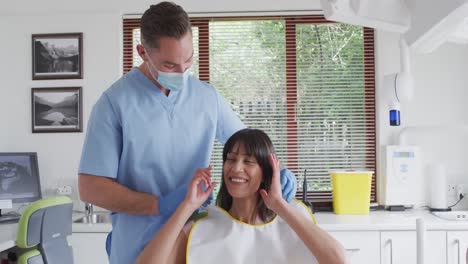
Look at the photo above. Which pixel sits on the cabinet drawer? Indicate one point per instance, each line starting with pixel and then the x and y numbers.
pixel 89 248
pixel 361 247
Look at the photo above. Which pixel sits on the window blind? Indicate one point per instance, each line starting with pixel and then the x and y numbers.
pixel 307 82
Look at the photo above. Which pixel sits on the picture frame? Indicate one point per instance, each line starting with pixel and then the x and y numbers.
pixel 57 56
pixel 57 109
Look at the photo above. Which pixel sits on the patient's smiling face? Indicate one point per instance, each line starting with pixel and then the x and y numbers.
pixel 242 173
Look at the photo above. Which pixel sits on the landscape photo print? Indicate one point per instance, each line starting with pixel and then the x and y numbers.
pixel 56 109
pixel 57 56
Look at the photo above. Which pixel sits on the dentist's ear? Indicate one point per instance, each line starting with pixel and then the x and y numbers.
pixel 142 52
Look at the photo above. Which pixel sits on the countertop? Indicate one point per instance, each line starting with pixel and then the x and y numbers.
pixel 385 220
pixel 375 221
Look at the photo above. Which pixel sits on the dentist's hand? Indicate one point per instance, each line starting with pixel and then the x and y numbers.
pixel 200 188
pixel 288 184
pixel 273 198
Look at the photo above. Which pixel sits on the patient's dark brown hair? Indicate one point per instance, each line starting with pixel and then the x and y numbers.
pixel 257 144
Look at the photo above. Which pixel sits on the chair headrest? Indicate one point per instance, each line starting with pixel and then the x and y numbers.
pixel 35 223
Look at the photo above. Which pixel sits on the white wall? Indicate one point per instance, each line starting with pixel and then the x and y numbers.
pixel 58 153
pixel 439 77
pixel 440 106
pixel 435 116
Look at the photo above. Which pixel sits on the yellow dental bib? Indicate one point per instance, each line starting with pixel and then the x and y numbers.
pixel 219 238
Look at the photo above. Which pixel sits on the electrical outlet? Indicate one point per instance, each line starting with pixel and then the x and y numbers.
pixel 64 190
pixel 452 192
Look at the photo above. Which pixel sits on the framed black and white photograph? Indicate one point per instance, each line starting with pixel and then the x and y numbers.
pixel 57 56
pixel 56 109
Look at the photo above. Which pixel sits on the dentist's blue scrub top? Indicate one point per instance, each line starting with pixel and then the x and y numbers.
pixel 152 143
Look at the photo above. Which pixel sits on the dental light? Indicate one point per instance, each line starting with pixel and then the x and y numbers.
pixel 435 22
pixel 426 24
pixel 388 15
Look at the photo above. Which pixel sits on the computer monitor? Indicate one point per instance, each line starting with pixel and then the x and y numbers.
pixel 19 178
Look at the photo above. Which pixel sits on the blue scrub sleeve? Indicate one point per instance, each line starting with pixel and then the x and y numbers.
pixel 103 143
pixel 169 203
pixel 109 243
pixel 228 122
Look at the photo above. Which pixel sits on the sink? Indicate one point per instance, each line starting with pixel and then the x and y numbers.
pixel 94 219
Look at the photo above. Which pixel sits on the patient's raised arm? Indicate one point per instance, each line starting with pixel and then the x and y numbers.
pixel 324 247
pixel 169 244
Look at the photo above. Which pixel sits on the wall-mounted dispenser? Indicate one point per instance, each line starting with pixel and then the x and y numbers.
pixel 399 86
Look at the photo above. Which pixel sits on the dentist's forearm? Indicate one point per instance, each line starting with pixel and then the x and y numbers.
pixel 161 246
pixel 115 197
pixel 324 247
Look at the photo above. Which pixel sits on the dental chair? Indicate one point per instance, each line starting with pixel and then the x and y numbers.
pixel 43 232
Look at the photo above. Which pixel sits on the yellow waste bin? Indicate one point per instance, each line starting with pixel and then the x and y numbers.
pixel 351 191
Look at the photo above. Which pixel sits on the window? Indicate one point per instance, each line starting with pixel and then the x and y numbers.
pixel 308 82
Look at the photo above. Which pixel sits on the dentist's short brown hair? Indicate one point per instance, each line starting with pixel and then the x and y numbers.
pixel 165 19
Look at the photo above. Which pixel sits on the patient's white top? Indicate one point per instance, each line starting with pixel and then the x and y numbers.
pixel 219 238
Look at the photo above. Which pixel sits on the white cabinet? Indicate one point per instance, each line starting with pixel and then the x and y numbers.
pixel 457 243
pixel 384 237
pixel 361 247
pixel 89 248
pixel 436 245
pixel 398 247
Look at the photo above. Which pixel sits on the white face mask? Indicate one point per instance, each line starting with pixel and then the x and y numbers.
pixel 174 81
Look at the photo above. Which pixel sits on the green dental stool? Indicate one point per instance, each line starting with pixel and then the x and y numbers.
pixel 43 232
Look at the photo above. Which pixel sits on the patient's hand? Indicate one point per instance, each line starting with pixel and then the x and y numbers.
pixel 274 197
pixel 199 188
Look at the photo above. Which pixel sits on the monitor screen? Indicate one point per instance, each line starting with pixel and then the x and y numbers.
pixel 19 177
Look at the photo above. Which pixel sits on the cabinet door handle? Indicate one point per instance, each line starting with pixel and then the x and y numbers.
pixel 389 241
pixel 457 241
pixel 353 249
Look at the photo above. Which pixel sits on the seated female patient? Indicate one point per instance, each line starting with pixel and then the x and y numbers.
pixel 251 223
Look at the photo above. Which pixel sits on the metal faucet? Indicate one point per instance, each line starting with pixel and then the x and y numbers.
pixel 88 209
